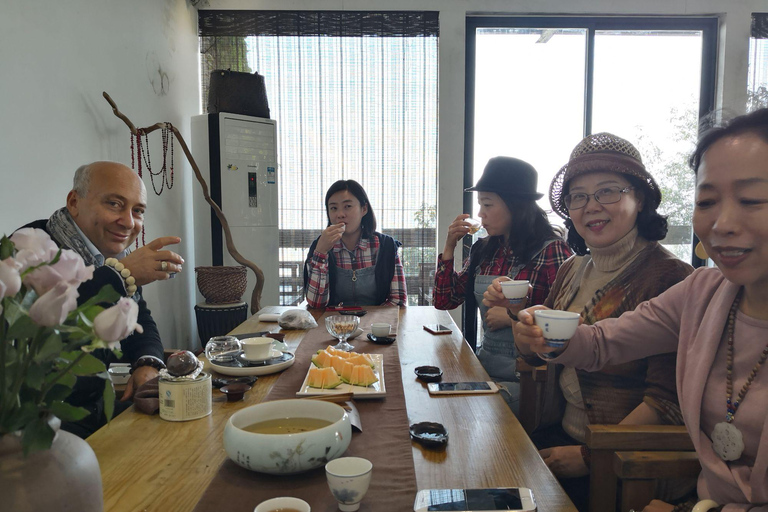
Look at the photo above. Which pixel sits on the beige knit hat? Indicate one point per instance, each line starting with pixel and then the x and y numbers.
pixel 601 152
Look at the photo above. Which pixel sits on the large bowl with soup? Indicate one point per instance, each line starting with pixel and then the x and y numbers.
pixel 285 437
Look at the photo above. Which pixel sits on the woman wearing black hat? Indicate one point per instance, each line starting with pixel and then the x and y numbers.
pixel 608 200
pixel 521 244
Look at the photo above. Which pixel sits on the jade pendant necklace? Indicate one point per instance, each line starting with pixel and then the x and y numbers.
pixel 727 440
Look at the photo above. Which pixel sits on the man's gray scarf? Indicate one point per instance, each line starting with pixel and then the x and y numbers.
pixel 61 226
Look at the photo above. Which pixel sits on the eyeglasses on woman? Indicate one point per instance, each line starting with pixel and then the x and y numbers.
pixel 607 195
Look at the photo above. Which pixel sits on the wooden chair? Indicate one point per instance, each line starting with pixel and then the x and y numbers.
pixel 626 460
pixel 629 460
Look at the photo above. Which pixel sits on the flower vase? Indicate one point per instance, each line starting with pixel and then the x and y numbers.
pixel 65 477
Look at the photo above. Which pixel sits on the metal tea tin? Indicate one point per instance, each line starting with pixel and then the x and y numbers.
pixel 185 400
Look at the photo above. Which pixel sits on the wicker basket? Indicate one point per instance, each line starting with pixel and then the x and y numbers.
pixel 221 285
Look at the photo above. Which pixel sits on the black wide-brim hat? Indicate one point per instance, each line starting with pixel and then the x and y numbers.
pixel 510 177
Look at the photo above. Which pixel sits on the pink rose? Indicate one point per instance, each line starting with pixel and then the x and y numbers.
pixel 10 280
pixel 33 246
pixel 70 268
pixel 118 322
pixel 52 308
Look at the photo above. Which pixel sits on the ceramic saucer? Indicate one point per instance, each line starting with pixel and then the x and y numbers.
pixel 239 367
pixel 272 355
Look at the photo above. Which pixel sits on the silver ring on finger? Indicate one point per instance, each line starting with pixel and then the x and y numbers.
pixel 163 266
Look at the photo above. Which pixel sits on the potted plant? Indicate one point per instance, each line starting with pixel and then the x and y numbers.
pixel 47 340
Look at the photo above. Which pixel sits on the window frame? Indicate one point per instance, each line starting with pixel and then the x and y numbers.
pixel 707 25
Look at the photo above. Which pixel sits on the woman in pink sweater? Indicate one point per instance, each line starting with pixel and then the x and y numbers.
pixel 716 320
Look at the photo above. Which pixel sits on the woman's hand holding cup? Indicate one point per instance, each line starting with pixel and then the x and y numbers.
pixel 329 236
pixel 495 295
pixel 529 337
pixel 530 332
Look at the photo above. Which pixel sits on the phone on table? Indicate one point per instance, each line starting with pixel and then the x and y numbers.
pixel 343 308
pixel 355 312
pixel 437 329
pixel 461 388
pixel 519 499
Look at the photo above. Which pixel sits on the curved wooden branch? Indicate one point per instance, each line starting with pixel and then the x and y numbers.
pixel 256 294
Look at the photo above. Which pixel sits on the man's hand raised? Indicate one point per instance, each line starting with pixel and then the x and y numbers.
pixel 150 263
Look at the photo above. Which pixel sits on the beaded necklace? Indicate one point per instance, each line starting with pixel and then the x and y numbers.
pixel 727 440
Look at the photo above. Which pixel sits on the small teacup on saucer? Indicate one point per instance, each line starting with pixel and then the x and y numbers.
pixel 380 330
pixel 257 349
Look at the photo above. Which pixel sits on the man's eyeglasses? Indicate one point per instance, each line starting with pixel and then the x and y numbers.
pixel 607 195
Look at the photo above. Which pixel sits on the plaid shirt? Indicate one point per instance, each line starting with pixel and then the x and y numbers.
pixel 451 287
pixel 362 256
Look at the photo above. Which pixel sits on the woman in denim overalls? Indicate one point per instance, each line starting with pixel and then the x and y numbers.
pixel 521 244
pixel 350 263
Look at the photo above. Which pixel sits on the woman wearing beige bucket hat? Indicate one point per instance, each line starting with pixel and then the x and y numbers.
pixel 608 200
pixel 521 244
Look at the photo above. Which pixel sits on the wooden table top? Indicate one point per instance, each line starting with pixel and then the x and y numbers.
pixel 151 464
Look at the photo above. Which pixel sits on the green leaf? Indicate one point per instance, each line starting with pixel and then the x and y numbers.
pixel 68 379
pixel 6 248
pixel 109 399
pixel 67 412
pixel 50 348
pixel 20 418
pixel 107 294
pixel 23 327
pixel 37 436
pixel 12 312
pixel 35 376
pixel 88 365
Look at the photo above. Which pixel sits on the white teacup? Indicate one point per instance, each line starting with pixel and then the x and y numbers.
pixel 515 290
pixel 277 504
pixel 257 348
pixel 558 326
pixel 349 478
pixel 380 330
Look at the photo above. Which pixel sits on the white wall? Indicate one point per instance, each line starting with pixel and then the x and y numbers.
pixel 56 58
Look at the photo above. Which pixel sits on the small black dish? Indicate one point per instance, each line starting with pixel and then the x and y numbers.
pixel 235 391
pixel 429 373
pixel 430 435
pixel 381 340
pixel 225 381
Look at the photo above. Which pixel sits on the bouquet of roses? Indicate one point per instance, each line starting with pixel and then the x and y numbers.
pixel 47 338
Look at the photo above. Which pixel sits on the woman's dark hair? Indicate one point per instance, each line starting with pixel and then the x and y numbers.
pixel 530 229
pixel 651 225
pixel 368 223
pixel 755 122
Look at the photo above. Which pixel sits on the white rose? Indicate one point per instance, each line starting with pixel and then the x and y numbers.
pixel 10 280
pixel 52 308
pixel 33 246
pixel 118 322
pixel 70 268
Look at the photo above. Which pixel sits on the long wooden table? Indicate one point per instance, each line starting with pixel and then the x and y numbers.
pixel 151 464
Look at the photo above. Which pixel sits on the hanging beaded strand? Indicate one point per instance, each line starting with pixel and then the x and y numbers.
pixel 733 405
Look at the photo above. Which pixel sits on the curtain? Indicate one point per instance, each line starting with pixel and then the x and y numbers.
pixel 355 97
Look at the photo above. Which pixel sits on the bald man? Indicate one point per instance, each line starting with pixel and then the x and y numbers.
pixel 103 216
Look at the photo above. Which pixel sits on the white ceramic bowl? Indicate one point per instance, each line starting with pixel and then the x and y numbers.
pixel 283 503
pixel 380 330
pixel 558 326
pixel 286 454
pixel 514 290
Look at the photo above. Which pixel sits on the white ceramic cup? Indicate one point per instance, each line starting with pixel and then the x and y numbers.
pixel 514 290
pixel 257 348
pixel 380 330
pixel 349 478
pixel 558 326
pixel 284 503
